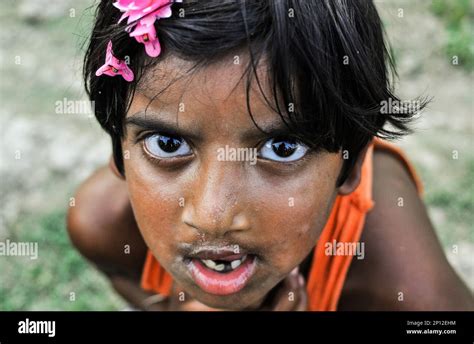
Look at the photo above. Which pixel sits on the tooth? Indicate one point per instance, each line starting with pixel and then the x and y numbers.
pixel 235 263
pixel 219 267
pixel 209 263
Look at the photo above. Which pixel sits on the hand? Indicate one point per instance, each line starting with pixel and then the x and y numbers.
pixel 290 295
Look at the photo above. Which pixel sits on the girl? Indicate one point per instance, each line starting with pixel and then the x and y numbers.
pixel 305 84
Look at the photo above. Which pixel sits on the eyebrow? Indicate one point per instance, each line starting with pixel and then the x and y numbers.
pixel 151 121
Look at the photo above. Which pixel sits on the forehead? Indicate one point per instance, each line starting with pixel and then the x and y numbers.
pixel 215 92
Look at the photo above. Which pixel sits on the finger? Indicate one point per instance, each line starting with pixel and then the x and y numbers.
pixel 300 299
pixel 287 298
pixel 155 302
pixel 303 296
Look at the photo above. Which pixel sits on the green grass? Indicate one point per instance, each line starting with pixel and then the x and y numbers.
pixel 46 283
pixel 47 50
pixel 454 196
pixel 457 16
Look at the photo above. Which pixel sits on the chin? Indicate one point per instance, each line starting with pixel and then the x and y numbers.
pixel 234 302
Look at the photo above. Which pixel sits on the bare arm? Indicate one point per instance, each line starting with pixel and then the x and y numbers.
pixel 404 267
pixel 102 227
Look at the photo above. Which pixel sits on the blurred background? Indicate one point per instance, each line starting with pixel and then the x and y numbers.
pixel 47 148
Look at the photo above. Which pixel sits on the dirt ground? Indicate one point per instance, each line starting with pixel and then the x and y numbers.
pixel 45 155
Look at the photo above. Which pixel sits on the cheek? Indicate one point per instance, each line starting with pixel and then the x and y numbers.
pixel 292 216
pixel 156 205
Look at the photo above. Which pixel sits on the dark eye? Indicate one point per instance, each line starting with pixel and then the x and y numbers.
pixel 283 149
pixel 166 146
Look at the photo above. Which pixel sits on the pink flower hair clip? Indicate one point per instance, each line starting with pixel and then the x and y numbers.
pixel 141 15
pixel 113 66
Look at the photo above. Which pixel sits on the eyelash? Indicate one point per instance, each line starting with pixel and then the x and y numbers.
pixel 290 164
pixel 142 136
pixel 140 139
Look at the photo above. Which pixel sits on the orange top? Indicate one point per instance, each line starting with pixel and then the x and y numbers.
pixel 346 221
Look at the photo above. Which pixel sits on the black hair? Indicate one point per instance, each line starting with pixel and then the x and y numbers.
pixel 328 61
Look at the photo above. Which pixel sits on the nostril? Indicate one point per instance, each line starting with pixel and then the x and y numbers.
pixel 206 223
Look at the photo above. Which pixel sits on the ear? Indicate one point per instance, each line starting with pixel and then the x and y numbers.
pixel 114 168
pixel 353 179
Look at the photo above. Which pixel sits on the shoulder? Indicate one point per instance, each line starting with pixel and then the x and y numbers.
pixel 404 266
pixel 101 225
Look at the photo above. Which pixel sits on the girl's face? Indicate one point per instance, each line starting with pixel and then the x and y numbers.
pixel 227 210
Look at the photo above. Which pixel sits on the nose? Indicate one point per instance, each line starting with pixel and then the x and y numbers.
pixel 214 206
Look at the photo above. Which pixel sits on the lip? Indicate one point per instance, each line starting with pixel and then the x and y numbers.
pixel 226 253
pixel 218 283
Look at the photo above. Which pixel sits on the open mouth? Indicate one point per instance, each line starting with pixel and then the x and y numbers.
pixel 221 273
